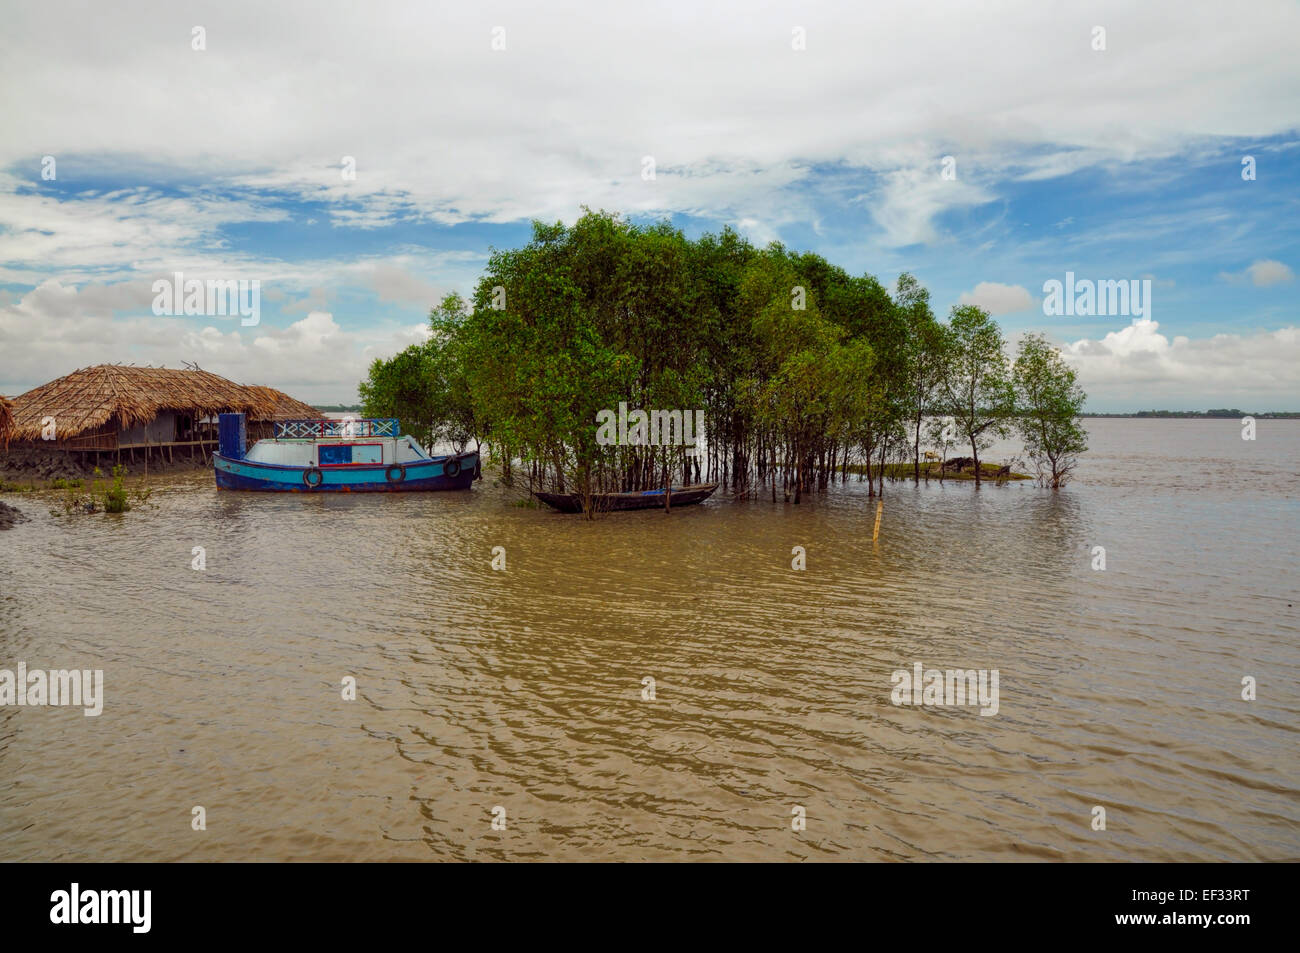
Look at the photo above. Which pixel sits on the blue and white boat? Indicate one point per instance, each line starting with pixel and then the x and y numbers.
pixel 341 456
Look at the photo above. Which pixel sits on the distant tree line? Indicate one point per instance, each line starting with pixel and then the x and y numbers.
pixel 1206 414
pixel 803 371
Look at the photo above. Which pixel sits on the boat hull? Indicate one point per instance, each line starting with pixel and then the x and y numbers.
pixel 647 500
pixel 421 476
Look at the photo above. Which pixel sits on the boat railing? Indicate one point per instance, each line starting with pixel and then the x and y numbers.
pixel 345 428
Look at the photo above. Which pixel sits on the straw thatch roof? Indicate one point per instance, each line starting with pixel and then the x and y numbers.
pixel 89 398
pixel 283 407
pixel 6 420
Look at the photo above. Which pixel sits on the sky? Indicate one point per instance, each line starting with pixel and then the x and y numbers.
pixel 989 149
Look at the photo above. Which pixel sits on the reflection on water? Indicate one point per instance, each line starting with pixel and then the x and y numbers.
pixel 522 689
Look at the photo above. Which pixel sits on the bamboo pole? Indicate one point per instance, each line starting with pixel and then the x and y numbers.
pixel 880 508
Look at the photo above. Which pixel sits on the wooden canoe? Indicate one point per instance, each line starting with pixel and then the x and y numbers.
pixel 636 500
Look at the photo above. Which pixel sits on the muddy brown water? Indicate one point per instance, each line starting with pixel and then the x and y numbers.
pixel 522 690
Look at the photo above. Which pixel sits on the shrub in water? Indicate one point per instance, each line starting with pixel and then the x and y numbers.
pixel 115 496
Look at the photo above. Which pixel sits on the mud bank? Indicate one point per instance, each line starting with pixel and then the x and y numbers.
pixel 38 465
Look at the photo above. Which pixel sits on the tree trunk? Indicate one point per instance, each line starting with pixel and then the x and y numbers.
pixel 559 471
pixel 916 451
pixel 798 478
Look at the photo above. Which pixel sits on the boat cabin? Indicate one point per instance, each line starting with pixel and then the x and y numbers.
pixel 337 443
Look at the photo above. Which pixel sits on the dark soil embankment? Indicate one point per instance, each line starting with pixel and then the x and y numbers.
pixel 9 516
pixel 36 465
pixel 32 464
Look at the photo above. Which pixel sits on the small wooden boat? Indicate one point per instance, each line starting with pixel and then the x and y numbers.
pixel 335 456
pixel 635 500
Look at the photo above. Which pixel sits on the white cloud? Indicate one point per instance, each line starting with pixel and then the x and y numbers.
pixel 56 328
pixel 908 201
pixel 1137 367
pixel 395 283
pixel 1261 274
pixel 118 233
pixel 1269 272
pixel 314 300
pixel 999 299
pixel 443 129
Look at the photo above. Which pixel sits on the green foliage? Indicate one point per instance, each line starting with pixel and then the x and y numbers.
pixel 976 380
pixel 113 497
pixel 115 500
pixel 1048 403
pixel 402 387
pixel 425 386
pixel 800 368
pixel 926 354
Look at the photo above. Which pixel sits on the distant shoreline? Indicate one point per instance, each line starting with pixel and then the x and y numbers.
pixel 1205 414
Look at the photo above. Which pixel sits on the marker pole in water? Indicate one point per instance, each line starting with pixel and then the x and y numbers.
pixel 880 508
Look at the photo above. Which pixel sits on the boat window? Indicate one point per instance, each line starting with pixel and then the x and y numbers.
pixel 342 454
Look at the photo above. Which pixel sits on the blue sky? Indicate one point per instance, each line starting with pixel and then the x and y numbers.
pixel 222 158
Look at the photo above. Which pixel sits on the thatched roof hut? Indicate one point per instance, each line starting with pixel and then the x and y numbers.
pixel 115 406
pixel 88 399
pixel 277 405
pixel 282 406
